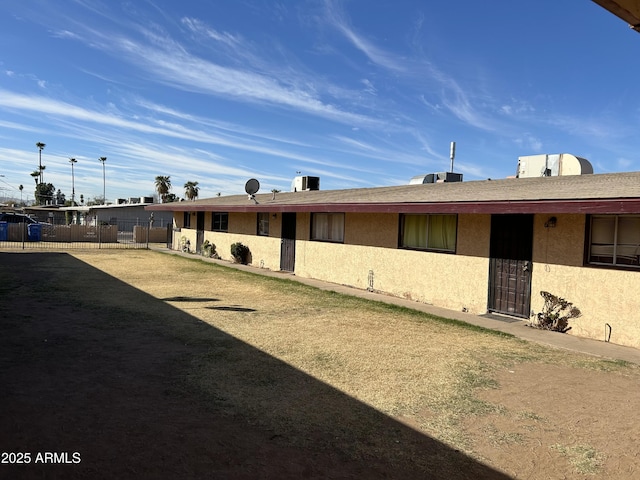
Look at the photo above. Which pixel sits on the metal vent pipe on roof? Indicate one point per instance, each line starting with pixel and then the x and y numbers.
pixel 452 154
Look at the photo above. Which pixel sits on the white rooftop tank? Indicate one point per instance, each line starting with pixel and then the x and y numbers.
pixel 545 165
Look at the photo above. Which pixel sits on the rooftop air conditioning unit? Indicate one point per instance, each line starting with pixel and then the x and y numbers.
pixel 448 177
pixel 420 179
pixel 303 183
pixel 439 177
pixel 552 165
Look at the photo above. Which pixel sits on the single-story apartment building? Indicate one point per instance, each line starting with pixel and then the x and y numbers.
pixel 125 215
pixel 476 246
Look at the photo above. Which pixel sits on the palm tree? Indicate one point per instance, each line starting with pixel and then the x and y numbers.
pixel 40 146
pixel 104 198
pixel 21 187
pixel 191 190
pixel 163 186
pixel 36 176
pixel 42 169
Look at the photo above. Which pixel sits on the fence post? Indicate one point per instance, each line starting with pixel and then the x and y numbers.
pixel 149 232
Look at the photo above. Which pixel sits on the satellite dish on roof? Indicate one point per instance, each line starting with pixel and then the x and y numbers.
pixel 252 186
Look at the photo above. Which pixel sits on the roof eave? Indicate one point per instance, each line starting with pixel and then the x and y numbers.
pixel 612 206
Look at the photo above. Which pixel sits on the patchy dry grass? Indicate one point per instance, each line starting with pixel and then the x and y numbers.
pixel 584 458
pixel 426 371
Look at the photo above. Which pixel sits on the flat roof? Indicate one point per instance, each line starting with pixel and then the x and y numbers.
pixel 593 193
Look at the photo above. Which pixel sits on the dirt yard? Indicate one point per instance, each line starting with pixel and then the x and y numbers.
pixel 137 364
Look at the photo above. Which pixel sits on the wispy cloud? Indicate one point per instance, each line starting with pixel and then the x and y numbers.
pixel 200 28
pixel 65 34
pixel 170 63
pixel 338 19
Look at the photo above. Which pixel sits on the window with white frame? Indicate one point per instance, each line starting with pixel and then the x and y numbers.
pixel 328 227
pixel 615 240
pixel 428 232
pixel 263 223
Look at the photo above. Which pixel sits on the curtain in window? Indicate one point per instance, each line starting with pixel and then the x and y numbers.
pixel 263 223
pixel 442 232
pixel 320 226
pixel 336 221
pixel 328 226
pixel 415 231
pixel 602 239
pixel 628 241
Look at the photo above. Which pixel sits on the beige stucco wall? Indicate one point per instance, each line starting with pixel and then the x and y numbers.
pixel 265 251
pixel 460 281
pixel 474 235
pixel 562 244
pixel 451 281
pixel 421 276
pixel 603 295
pixel 374 229
pixel 244 223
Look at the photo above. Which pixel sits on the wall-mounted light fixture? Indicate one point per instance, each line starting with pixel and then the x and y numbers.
pixel 275 215
pixel 551 222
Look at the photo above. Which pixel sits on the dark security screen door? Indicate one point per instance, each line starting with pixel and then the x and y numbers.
pixel 199 230
pixel 510 264
pixel 288 242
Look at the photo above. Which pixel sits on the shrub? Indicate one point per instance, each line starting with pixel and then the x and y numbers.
pixel 209 249
pixel 556 313
pixel 239 252
pixel 185 244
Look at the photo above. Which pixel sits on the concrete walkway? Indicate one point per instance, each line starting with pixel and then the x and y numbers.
pixel 505 324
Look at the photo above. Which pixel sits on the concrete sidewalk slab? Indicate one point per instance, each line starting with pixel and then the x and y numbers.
pixel 515 327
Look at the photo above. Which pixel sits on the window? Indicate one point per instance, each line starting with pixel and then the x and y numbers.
pixel 263 223
pixel 327 226
pixel 187 220
pixel 615 240
pixel 220 222
pixel 428 232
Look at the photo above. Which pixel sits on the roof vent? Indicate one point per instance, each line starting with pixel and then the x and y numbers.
pixel 440 177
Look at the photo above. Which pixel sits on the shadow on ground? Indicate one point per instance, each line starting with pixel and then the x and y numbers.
pixel 113 385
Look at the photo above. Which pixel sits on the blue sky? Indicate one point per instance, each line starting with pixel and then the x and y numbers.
pixel 360 93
